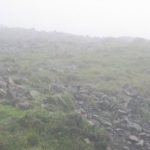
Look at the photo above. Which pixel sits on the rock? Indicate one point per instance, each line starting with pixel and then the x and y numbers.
pixel 95 116
pixel 82 111
pixel 125 148
pixel 34 93
pixel 134 126
pixel 91 123
pixel 133 138
pixel 80 102
pixel 82 97
pixel 24 105
pixel 2 84
pixel 83 91
pixel 109 148
pixel 87 141
pixel 2 93
pixel 105 97
pixel 106 123
pixel 140 143
pixel 121 112
pixel 10 94
pixel 119 130
pixel 57 87
pixel 16 91
pixel 144 135
pixel 44 106
pixel 10 81
pixel 131 92
pixel 104 105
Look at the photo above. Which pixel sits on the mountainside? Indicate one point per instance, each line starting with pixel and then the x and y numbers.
pixel 64 92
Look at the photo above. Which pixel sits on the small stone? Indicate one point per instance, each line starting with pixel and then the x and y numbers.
pixel 80 102
pixel 34 93
pixel 109 148
pixel 135 126
pixel 87 141
pixel 122 112
pixel 125 148
pixel 134 138
pixel 106 123
pixel 143 134
pixel 119 130
pixel 94 116
pixel 24 105
pixel 2 92
pixel 91 123
pixel 140 143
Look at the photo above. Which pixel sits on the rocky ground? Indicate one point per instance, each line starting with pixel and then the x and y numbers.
pixel 121 114
pixel 103 81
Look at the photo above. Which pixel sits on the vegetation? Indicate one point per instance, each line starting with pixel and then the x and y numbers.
pixel 49 66
pixel 46 130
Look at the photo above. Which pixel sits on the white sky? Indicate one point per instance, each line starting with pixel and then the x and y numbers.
pixel 84 17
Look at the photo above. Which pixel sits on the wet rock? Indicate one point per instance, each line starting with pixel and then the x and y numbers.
pixel 109 148
pixel 140 143
pixel 57 87
pixel 133 138
pixel 44 106
pixel 2 84
pixel 87 141
pixel 134 126
pixel 105 97
pixel 34 93
pixel 119 130
pixel 80 102
pixel 105 123
pixel 95 116
pixel 121 112
pixel 125 148
pixel 104 105
pixel 16 91
pixel 82 97
pixel 91 123
pixel 144 135
pixel 2 93
pixel 10 94
pixel 129 91
pixel 24 105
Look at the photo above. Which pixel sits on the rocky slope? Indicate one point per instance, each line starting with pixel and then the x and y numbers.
pixel 105 82
pixel 121 114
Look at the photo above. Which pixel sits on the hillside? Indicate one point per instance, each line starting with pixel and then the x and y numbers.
pixel 65 92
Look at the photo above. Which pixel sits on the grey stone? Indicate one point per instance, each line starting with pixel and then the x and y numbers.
pixel 134 126
pixel 24 105
pixel 134 138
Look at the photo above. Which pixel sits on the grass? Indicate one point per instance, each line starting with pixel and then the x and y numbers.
pixel 9 112
pixel 105 69
pixel 58 128
pixel 44 130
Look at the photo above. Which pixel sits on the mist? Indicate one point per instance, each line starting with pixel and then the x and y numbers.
pixel 74 75
pixel 101 18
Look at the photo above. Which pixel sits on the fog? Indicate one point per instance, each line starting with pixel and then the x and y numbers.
pixel 84 17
